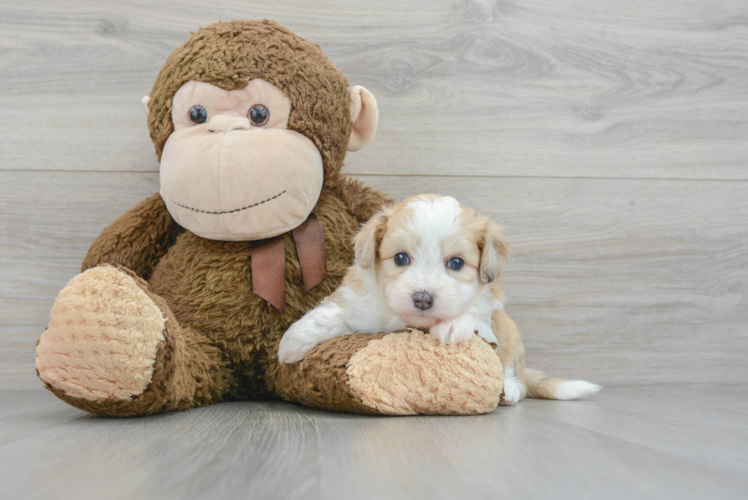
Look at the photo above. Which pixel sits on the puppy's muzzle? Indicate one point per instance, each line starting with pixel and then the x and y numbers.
pixel 423 300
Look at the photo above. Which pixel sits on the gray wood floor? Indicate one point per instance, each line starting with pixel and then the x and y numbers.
pixel 646 442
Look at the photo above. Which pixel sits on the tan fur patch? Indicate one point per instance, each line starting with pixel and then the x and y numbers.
pixel 102 340
pixel 413 373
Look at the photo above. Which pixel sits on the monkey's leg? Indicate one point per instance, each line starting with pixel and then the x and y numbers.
pixel 405 373
pixel 114 348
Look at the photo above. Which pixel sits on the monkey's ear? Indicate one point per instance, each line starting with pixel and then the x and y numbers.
pixel 145 102
pixel 364 115
pixel 366 242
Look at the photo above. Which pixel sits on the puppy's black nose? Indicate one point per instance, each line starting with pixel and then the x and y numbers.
pixel 423 300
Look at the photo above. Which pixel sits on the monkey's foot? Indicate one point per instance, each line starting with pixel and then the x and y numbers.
pixel 102 342
pixel 404 373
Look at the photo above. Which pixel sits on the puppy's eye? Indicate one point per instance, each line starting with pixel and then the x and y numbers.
pixel 258 115
pixel 402 259
pixel 198 114
pixel 455 263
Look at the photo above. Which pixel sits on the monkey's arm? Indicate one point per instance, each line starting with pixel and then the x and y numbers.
pixel 402 373
pixel 361 200
pixel 137 240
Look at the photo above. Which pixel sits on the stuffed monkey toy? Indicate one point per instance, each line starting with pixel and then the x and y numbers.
pixel 182 301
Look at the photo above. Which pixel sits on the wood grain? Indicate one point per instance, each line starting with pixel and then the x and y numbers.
pixel 535 88
pixel 609 140
pixel 625 443
pixel 618 281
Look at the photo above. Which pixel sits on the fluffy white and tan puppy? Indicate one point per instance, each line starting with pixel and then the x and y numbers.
pixel 433 264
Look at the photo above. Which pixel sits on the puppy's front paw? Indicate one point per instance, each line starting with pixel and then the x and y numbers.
pixel 455 331
pixel 295 344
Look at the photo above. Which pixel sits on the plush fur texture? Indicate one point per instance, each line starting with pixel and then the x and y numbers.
pixel 229 179
pixel 116 319
pixel 187 370
pixel 217 340
pixel 413 373
pixel 230 54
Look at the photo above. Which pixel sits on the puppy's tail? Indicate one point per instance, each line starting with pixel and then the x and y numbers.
pixel 540 386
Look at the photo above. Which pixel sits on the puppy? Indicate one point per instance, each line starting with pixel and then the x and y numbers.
pixel 433 264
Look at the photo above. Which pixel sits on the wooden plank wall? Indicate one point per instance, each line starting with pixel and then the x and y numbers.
pixel 609 138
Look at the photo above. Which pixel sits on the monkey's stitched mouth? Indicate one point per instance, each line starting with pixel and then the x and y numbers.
pixel 231 211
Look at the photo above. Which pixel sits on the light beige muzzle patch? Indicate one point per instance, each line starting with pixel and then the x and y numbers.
pixel 413 373
pixel 102 339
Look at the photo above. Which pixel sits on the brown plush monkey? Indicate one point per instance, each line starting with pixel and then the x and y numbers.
pixel 183 300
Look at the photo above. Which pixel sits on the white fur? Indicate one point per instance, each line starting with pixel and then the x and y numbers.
pixel 460 308
pixel 367 312
pixel 575 389
pixel 321 323
pixel 361 313
pixel 434 221
pixel 476 318
pixel 513 388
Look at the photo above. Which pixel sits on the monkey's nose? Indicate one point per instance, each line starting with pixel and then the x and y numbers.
pixel 227 123
pixel 423 300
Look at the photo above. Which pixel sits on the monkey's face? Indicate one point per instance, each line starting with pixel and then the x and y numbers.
pixel 232 170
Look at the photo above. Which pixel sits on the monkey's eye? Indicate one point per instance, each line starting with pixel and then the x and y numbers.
pixel 258 115
pixel 402 259
pixel 455 263
pixel 198 114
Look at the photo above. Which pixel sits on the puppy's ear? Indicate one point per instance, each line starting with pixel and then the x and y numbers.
pixel 495 252
pixel 366 242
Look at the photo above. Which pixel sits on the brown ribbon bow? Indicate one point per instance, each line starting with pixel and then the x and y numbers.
pixel 269 262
